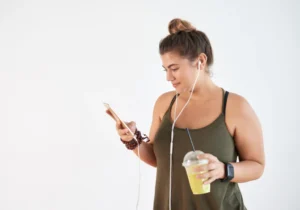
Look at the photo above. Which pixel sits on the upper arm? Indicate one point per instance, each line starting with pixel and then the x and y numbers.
pixel 248 132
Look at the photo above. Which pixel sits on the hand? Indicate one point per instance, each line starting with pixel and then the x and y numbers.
pixel 213 170
pixel 124 133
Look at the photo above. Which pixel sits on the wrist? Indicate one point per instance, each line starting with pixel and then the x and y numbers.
pixel 223 171
pixel 229 172
pixel 135 141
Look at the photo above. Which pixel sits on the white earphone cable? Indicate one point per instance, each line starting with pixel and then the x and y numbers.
pixel 139 182
pixel 172 134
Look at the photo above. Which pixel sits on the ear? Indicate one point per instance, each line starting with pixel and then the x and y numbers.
pixel 203 58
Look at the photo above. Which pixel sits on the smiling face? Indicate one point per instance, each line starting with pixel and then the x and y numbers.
pixel 180 71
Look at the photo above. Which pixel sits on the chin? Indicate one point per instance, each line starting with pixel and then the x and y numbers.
pixel 180 90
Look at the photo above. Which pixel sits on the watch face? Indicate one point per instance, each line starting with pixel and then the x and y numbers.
pixel 230 171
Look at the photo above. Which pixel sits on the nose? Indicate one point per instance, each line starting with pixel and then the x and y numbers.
pixel 170 76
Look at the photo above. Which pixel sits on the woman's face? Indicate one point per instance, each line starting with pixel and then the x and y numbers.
pixel 179 71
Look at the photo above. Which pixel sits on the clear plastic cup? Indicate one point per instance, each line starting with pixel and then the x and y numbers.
pixel 190 161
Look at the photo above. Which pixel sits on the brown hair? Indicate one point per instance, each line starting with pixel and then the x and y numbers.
pixel 187 41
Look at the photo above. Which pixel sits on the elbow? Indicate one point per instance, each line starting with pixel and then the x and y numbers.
pixel 260 170
pixel 153 164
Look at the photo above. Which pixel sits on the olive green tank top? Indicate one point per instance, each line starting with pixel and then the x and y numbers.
pixel 214 139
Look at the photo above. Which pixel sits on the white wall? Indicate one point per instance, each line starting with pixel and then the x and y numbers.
pixel 60 59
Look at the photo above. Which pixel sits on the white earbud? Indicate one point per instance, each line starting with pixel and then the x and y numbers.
pixel 199 63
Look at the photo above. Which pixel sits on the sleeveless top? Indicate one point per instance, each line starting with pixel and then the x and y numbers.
pixel 214 139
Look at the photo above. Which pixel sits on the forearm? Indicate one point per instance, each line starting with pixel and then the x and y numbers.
pixel 247 170
pixel 146 153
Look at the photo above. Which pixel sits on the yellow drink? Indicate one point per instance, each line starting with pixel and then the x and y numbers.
pixel 196 184
pixel 190 162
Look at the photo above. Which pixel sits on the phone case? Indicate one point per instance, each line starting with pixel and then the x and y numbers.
pixel 114 115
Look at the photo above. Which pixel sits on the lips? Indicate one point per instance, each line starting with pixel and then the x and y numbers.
pixel 175 84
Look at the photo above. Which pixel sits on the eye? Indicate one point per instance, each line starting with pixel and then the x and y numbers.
pixel 171 70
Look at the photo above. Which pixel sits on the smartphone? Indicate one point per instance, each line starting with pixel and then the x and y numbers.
pixel 114 115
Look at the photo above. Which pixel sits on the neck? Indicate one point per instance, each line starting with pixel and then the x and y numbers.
pixel 204 90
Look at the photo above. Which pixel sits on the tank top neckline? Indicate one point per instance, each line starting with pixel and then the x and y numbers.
pixel 216 121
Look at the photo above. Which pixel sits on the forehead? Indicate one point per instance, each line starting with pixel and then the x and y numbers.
pixel 170 58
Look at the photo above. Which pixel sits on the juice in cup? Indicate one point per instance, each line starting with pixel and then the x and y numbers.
pixel 191 161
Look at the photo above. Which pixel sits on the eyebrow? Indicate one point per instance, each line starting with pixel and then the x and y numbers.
pixel 170 65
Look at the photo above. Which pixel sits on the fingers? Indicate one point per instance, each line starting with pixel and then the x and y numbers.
pixel 119 125
pixel 211 171
pixel 206 167
pixel 132 126
pixel 207 175
pixel 209 157
pixel 124 132
pixel 209 181
pixel 125 135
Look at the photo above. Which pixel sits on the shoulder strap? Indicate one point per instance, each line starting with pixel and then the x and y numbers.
pixel 225 96
pixel 172 102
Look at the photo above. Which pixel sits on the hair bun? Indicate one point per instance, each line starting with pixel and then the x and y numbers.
pixel 177 25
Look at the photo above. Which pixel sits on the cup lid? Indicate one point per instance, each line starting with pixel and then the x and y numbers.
pixel 191 158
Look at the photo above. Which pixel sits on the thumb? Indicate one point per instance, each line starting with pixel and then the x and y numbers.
pixel 132 126
pixel 132 123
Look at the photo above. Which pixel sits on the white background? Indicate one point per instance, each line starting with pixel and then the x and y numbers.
pixel 60 59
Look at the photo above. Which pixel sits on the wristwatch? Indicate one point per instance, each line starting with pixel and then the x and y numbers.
pixel 229 172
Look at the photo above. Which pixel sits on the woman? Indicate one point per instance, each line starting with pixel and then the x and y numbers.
pixel 222 125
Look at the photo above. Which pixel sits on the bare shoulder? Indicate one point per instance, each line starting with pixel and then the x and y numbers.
pixel 237 104
pixel 160 107
pixel 162 103
pixel 238 111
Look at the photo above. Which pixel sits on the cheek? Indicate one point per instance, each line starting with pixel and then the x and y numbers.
pixel 183 77
pixel 190 78
pixel 180 76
